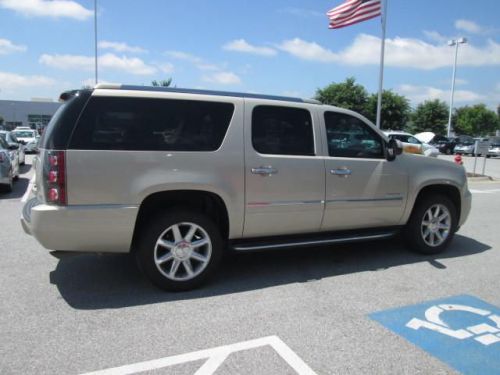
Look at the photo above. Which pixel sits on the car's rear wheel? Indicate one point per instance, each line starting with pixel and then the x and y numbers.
pixel 432 224
pixel 180 250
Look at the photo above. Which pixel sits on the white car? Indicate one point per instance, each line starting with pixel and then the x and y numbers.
pixel 412 145
pixel 28 137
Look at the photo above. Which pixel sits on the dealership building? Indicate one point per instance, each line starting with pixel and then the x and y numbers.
pixel 35 113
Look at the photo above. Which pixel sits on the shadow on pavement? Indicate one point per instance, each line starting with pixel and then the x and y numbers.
pixel 20 186
pixel 91 281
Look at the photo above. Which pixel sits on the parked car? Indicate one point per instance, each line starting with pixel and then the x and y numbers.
pixel 412 145
pixel 9 165
pixel 190 173
pixel 465 148
pixel 442 143
pixel 11 140
pixel 29 137
pixel 494 149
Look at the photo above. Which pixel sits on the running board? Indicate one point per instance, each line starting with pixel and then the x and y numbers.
pixel 308 240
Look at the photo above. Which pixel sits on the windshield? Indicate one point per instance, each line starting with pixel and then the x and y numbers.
pixel 25 134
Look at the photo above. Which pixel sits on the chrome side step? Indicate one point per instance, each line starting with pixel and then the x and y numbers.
pixel 262 245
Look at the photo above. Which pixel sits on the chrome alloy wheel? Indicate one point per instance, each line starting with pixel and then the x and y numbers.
pixel 436 225
pixel 182 251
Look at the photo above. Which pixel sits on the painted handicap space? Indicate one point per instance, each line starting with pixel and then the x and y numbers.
pixel 210 361
pixel 462 331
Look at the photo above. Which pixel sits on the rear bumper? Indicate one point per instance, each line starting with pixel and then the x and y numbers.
pixel 96 228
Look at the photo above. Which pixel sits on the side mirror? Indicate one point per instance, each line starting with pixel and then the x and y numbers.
pixel 394 148
pixel 13 146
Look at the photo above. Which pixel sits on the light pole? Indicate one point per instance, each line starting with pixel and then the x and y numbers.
pixel 95 39
pixel 454 43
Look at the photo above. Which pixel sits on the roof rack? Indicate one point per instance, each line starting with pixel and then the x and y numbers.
pixel 204 92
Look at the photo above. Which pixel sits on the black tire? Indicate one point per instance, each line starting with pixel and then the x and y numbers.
pixel 413 231
pixel 448 151
pixel 145 250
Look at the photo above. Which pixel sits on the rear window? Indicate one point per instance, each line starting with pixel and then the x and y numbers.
pixel 142 124
pixel 56 135
pixel 24 133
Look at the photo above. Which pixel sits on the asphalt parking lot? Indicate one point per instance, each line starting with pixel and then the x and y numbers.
pixel 289 312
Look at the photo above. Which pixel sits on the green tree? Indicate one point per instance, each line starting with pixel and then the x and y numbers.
pixel 430 116
pixel 346 94
pixel 162 83
pixel 395 111
pixel 475 120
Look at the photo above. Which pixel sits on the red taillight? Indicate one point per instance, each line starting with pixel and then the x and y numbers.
pixel 55 180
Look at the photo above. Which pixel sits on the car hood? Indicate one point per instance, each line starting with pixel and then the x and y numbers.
pixel 425 137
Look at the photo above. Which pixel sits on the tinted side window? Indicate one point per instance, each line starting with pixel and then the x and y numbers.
pixel 282 131
pixel 349 137
pixel 139 124
pixel 56 135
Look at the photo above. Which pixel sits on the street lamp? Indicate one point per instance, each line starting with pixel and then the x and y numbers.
pixel 454 43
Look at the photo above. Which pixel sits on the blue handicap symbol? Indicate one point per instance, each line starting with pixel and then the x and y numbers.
pixel 462 331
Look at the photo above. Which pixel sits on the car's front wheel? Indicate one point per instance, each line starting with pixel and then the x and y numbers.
pixel 179 250
pixel 432 224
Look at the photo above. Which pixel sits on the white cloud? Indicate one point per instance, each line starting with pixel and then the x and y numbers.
pixel 241 45
pixel 179 55
pixel 7 47
pixel 120 47
pixel 468 26
pixel 400 52
pixel 300 12
pixel 45 8
pixel 308 51
pixel 436 37
pixel 223 78
pixel 418 94
pixel 132 65
pixel 166 68
pixel 15 81
pixel 197 61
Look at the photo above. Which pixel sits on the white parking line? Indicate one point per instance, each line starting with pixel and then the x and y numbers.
pixel 214 358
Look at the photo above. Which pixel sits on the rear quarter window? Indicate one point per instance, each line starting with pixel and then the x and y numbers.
pixel 57 134
pixel 142 124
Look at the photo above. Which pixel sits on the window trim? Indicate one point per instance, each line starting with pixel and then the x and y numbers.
pixel 383 140
pixel 313 127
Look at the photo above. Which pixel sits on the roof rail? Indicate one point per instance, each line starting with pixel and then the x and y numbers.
pixel 204 92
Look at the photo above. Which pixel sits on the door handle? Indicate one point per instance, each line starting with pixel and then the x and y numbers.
pixel 265 171
pixel 341 172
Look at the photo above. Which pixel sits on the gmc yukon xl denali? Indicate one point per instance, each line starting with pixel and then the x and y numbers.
pixel 177 176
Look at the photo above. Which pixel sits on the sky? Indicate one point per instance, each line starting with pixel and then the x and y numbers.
pixel 280 47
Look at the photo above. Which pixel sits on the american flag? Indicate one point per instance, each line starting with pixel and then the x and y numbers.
pixel 353 11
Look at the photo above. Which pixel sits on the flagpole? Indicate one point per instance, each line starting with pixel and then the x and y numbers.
pixel 95 40
pixel 382 55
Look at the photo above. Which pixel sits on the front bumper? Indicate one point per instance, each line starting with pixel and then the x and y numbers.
pixel 96 228
pixel 494 152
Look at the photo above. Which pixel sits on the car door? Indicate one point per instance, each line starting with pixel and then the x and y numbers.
pixel 284 177
pixel 363 189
